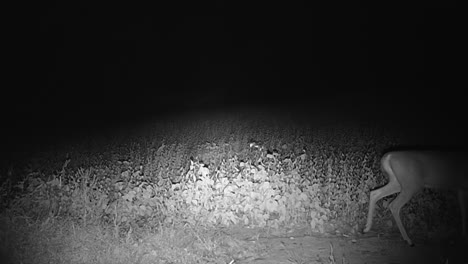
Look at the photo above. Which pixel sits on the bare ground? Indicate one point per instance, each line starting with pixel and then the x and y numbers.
pixel 297 247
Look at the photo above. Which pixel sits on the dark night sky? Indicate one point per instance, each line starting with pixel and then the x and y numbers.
pixel 82 64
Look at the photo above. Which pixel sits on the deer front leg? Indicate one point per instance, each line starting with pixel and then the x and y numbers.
pixel 395 207
pixel 375 195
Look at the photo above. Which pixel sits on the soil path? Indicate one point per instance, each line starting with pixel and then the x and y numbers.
pixel 315 248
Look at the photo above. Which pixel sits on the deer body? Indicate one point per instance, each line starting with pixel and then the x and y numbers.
pixel 410 171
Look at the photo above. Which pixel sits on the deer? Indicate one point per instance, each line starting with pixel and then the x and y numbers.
pixel 410 171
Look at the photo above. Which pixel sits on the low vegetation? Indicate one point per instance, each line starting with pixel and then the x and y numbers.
pixel 173 191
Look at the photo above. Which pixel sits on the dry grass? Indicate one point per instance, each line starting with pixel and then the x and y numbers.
pixel 53 240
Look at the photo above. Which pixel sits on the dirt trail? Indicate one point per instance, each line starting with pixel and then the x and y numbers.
pixel 297 248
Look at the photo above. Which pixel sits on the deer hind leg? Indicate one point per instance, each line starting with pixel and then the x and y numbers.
pixel 392 187
pixel 395 207
pixel 462 201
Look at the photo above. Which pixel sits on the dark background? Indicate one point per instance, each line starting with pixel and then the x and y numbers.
pixel 83 65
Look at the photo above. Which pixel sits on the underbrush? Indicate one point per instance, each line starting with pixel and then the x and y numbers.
pixel 160 199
